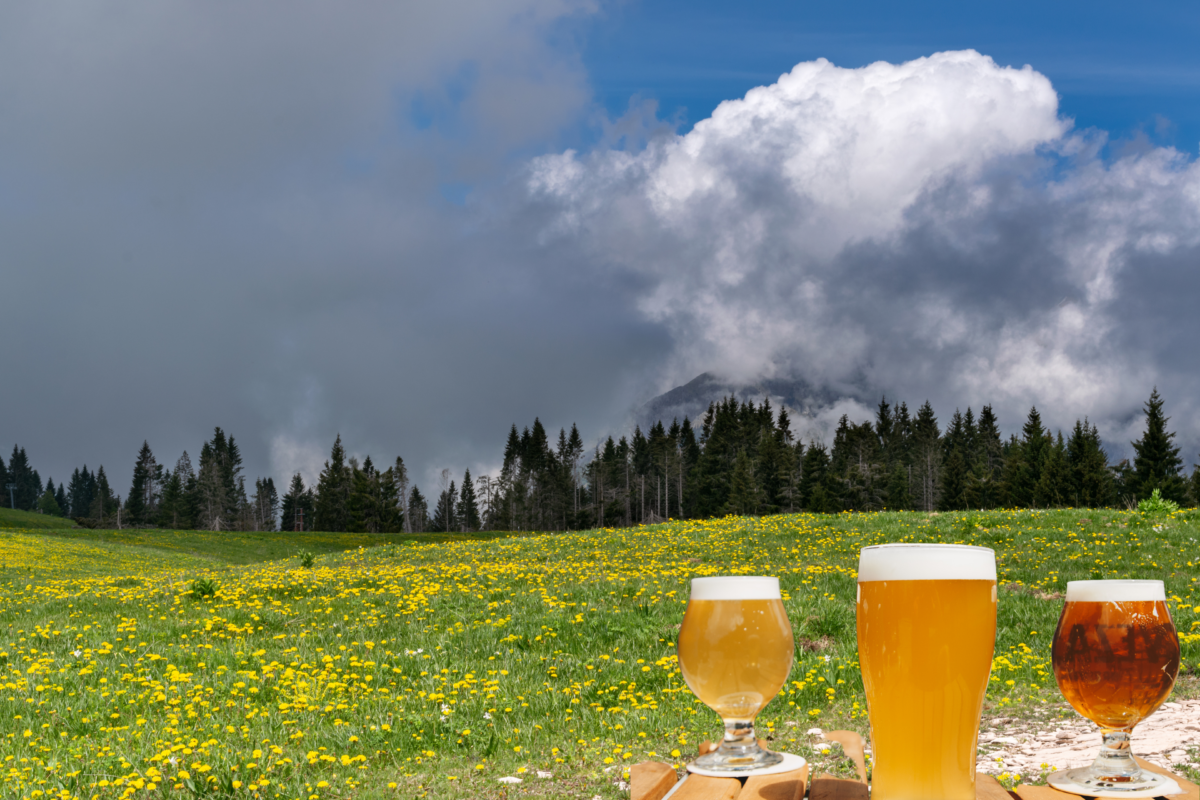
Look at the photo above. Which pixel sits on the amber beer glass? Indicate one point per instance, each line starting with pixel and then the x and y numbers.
pixel 735 652
pixel 1116 657
pixel 926 632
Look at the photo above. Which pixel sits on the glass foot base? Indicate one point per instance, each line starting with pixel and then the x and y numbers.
pixel 789 763
pixel 737 763
pixel 1088 781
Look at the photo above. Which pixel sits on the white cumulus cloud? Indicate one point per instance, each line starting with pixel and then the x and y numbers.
pixel 928 229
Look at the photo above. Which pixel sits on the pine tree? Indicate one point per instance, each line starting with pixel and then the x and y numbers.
pixel 988 461
pixel 104 502
pixel 956 445
pixel 813 492
pixel 1157 464
pixel 79 493
pixel 898 498
pixel 213 498
pixel 47 504
pixel 170 504
pixel 445 516
pixel 468 509
pixel 4 483
pixel 743 487
pixel 1054 483
pixel 60 497
pixel 1091 479
pixel 333 492
pixel 1023 467
pixel 927 459
pixel 296 511
pixel 265 503
pixel 418 510
pixel 28 488
pixel 188 511
pixel 142 500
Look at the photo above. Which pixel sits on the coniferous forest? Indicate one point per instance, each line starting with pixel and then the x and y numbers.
pixel 741 458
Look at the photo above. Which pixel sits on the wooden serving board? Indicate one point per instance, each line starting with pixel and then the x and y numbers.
pixel 654 781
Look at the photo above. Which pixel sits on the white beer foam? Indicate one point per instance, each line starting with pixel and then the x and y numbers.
pixel 926 562
pixel 739 587
pixel 1114 591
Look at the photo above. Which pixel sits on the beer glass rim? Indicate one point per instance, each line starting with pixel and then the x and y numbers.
pixel 735 587
pixel 919 561
pixel 1116 590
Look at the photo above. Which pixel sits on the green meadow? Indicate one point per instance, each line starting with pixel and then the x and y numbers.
pixel 197 664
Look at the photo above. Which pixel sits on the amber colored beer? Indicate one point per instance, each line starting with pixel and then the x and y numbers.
pixel 1115 659
pixel 926 633
pixel 735 653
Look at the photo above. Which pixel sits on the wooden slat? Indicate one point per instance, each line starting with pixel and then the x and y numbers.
pixel 650 780
pixel 852 746
pixel 1040 793
pixel 702 787
pixel 828 787
pixel 988 788
pixel 785 786
pixel 1190 790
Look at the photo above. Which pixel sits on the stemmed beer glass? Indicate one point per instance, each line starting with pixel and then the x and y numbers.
pixel 1116 657
pixel 735 652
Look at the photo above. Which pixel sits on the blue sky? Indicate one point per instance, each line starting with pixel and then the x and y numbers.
pixel 1125 68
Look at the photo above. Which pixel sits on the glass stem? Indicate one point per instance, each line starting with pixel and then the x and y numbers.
pixel 739 741
pixel 1115 761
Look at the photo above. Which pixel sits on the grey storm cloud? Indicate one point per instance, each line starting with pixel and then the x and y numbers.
pixel 932 229
pixel 232 215
pixel 238 217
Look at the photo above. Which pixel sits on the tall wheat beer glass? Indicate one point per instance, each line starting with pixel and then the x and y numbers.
pixel 926 632
pixel 1116 657
pixel 735 652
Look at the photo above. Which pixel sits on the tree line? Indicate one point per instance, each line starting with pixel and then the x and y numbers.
pixel 743 459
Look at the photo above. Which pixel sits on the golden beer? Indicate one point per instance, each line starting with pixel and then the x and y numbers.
pixel 1116 662
pixel 926 633
pixel 735 654
pixel 735 651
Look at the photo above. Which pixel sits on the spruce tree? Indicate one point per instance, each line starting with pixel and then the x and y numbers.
pixel 813 473
pixel 296 509
pixel 418 511
pixel 170 504
pixel 898 498
pixel 1091 479
pixel 143 493
pixel 28 488
pixel 212 496
pixel 1053 489
pixel 60 497
pixel 954 494
pixel 1156 464
pixel 926 459
pixel 445 518
pixel 743 487
pixel 987 460
pixel 265 503
pixel 104 503
pixel 4 483
pixel 468 509
pixel 47 504
pixel 333 492
pixel 1023 468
